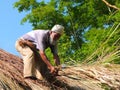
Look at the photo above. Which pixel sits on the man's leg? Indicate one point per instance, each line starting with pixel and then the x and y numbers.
pixel 28 60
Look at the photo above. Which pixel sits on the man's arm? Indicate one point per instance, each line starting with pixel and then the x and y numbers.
pixel 46 61
pixel 24 43
pixel 56 59
pixel 55 54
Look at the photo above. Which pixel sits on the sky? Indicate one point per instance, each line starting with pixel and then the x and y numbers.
pixel 10 27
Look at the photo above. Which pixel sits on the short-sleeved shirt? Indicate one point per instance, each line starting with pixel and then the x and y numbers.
pixel 41 39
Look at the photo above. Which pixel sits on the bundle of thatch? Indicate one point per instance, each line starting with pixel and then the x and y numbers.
pixel 70 77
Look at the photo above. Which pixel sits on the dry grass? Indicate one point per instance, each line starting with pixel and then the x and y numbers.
pixel 7 83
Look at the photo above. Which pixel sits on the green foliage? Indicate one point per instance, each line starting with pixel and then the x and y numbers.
pixel 48 53
pixel 64 48
pixel 105 86
pixel 84 20
pixel 101 45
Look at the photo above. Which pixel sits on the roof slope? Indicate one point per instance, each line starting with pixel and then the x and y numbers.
pixel 71 77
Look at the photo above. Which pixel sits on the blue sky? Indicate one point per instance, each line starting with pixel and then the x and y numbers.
pixel 10 27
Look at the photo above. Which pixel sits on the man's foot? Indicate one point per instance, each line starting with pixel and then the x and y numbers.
pixel 31 78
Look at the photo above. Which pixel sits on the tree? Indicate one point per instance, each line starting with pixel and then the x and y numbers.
pixel 77 16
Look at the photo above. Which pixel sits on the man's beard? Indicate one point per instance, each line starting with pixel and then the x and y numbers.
pixel 52 41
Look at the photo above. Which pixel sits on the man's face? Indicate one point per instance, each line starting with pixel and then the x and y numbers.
pixel 54 37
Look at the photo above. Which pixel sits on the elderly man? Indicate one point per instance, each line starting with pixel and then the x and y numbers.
pixel 32 48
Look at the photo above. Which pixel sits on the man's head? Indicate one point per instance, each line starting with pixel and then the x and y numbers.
pixel 58 29
pixel 56 32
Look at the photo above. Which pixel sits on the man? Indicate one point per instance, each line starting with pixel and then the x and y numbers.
pixel 35 42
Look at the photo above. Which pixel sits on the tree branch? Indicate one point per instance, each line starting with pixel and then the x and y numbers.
pixel 112 6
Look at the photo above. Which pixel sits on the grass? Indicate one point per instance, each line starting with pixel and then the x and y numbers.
pixel 7 83
pixel 105 53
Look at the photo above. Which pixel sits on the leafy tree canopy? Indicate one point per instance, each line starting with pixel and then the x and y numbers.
pixel 78 16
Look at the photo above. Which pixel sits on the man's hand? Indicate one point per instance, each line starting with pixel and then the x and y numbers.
pixel 52 69
pixel 22 43
pixel 31 45
pixel 45 59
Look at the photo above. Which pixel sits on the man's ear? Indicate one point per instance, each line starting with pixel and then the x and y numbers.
pixel 50 32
